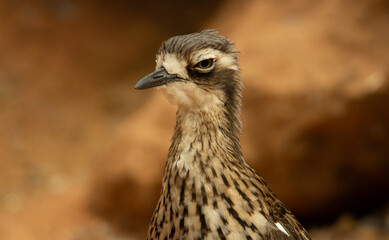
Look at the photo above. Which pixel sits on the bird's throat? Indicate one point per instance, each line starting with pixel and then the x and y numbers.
pixel 201 138
pixel 188 96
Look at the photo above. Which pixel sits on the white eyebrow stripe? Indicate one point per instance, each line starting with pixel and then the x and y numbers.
pixel 204 56
pixel 158 61
pixel 222 59
pixel 205 53
pixel 174 65
pixel 282 228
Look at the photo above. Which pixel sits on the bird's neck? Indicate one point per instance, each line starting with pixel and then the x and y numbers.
pixel 205 137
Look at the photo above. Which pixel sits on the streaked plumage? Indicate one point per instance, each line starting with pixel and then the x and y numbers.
pixel 208 190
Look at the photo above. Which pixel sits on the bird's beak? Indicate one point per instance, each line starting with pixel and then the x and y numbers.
pixel 157 78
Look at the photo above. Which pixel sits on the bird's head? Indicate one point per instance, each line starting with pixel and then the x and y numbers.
pixel 197 70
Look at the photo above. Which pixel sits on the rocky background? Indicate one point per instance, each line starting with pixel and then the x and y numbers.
pixel 82 153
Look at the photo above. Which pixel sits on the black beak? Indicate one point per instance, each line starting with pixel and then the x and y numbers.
pixel 157 78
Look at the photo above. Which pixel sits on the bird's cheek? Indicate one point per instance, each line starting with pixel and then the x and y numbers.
pixel 177 93
pixel 187 94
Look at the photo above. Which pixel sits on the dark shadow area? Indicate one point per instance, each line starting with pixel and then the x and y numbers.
pixel 350 153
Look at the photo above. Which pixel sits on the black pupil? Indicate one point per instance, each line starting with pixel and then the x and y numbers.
pixel 206 63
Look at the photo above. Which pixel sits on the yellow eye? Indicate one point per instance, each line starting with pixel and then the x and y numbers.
pixel 204 64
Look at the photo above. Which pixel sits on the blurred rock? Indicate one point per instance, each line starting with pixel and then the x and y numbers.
pixel 337 159
pixel 315 124
pixel 372 227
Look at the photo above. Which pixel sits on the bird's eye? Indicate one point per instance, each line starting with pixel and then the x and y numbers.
pixel 205 65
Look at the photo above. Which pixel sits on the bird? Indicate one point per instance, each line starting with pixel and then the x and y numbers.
pixel 208 190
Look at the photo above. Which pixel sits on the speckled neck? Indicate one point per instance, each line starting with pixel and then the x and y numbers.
pixel 201 136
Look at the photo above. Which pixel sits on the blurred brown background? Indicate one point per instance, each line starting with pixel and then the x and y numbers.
pixel 82 153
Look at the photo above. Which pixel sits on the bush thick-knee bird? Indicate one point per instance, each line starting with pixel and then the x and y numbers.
pixel 208 190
